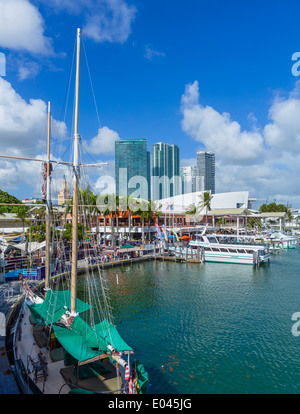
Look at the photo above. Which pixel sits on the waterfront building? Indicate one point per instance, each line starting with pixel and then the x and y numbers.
pixel 188 176
pixel 206 171
pixel 166 180
pixel 132 168
pixel 64 192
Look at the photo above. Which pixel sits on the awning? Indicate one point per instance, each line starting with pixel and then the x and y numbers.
pixel 85 342
pixel 55 304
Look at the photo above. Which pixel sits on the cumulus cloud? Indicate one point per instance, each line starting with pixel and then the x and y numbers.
pixel 23 132
pixel 22 28
pixel 264 161
pixel 217 131
pixel 283 132
pixel 104 20
pixel 103 142
pixel 22 124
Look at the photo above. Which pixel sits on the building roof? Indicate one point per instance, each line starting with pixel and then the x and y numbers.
pixel 229 212
pixel 273 214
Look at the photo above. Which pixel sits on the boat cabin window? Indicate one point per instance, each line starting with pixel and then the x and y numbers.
pixel 212 239
pixel 199 238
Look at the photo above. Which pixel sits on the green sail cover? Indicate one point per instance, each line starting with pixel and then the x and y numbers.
pixel 92 338
pixel 75 344
pixel 110 333
pixel 54 306
pixel 84 342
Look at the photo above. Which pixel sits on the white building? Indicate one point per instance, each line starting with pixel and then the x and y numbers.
pixel 179 204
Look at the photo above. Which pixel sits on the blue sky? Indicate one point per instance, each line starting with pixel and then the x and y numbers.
pixel 211 75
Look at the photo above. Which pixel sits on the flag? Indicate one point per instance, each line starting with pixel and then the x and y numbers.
pixel 131 388
pixel 127 373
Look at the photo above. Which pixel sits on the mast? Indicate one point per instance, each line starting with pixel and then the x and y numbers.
pixel 47 276
pixel 75 186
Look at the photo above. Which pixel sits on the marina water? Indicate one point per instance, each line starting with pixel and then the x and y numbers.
pixel 211 328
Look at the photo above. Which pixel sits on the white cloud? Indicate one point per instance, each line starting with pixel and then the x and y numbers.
pixel 103 142
pixel 28 70
pixel 23 132
pixel 283 133
pixel 266 162
pixel 217 131
pixel 22 28
pixel 22 124
pixel 150 53
pixel 104 20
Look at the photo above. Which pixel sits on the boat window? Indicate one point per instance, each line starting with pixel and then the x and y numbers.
pixel 199 238
pixel 212 239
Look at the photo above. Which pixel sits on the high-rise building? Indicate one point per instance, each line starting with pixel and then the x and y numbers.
pixel 165 178
pixel 132 168
pixel 188 177
pixel 206 171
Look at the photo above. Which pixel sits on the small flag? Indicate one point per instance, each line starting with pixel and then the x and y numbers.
pixel 131 388
pixel 127 373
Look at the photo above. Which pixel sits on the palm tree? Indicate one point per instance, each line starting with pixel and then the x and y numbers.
pixel 191 210
pixel 23 214
pixel 206 198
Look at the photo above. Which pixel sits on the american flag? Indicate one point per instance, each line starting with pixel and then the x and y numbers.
pixel 127 373
pixel 131 388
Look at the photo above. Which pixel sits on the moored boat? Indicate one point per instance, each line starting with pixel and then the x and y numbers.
pixel 60 343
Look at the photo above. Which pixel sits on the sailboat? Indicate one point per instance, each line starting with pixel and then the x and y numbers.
pixel 56 348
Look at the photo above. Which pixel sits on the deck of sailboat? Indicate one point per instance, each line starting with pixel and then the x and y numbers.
pixel 59 375
pixel 26 345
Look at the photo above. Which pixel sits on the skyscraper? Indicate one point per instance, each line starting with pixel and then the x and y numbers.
pixel 188 177
pixel 206 171
pixel 165 179
pixel 132 168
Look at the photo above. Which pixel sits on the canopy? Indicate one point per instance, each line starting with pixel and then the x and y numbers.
pixel 81 340
pixel 54 306
pixel 84 342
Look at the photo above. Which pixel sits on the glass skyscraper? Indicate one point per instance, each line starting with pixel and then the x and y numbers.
pixel 188 177
pixel 132 168
pixel 165 179
pixel 206 171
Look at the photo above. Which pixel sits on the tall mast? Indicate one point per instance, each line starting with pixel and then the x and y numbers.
pixel 75 186
pixel 47 276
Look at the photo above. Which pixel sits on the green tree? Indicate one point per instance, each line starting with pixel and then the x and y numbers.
pixel 205 200
pixel 24 215
pixel 68 232
pixel 8 199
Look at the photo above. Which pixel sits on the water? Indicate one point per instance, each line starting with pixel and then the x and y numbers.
pixel 211 328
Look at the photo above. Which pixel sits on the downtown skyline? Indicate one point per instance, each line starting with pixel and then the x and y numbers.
pixel 205 77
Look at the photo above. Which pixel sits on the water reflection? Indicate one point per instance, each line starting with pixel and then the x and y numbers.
pixel 210 328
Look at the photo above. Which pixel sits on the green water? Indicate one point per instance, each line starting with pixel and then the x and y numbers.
pixel 211 328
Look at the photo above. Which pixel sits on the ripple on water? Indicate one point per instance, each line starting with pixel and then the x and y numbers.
pixel 211 328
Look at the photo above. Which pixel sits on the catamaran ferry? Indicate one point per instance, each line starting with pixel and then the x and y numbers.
pixel 216 251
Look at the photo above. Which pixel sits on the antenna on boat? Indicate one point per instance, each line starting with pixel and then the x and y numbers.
pixel 75 185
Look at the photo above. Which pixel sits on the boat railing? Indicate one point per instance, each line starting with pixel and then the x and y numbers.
pixel 74 386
